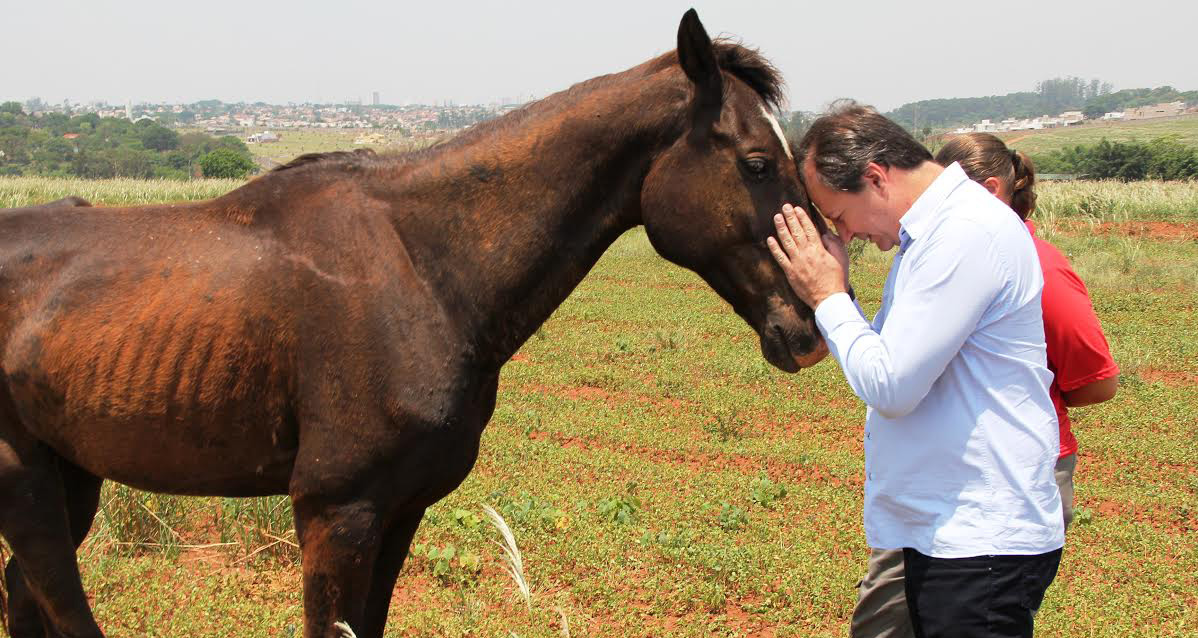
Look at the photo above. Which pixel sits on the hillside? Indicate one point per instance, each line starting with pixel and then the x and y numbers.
pixel 1050 97
pixel 1039 143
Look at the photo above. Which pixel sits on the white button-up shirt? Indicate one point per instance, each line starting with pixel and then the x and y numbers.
pixel 960 434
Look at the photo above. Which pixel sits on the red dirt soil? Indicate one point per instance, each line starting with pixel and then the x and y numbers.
pixel 1163 231
pixel 1167 377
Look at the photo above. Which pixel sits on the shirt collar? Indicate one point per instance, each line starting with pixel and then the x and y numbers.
pixel 923 211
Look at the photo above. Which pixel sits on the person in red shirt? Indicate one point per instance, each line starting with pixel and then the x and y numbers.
pixel 1078 355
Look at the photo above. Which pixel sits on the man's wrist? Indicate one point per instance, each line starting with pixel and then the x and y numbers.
pixel 821 296
pixel 835 310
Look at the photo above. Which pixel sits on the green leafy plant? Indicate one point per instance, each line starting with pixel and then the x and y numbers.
pixel 448 564
pixel 528 510
pixel 623 509
pixel 765 492
pixel 731 517
pixel 724 427
pixel 673 545
pixel 465 518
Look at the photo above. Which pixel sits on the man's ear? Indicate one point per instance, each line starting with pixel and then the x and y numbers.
pixel 877 177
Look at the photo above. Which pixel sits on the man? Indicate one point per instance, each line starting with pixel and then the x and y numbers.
pixel 960 435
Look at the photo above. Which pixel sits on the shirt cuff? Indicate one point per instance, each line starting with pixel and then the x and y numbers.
pixel 835 311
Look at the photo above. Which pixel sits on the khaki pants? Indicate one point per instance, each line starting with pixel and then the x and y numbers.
pixel 881 610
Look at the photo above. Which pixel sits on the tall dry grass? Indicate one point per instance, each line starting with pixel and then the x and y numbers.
pixel 1107 201
pixel 28 191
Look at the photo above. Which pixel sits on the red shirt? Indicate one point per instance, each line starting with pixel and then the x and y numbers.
pixel 1078 353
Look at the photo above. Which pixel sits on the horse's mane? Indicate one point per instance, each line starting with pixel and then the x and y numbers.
pixel 741 62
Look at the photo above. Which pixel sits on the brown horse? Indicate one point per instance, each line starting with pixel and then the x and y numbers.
pixel 334 330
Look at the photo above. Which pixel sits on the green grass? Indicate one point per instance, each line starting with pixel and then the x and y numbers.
pixel 297 142
pixel 1038 143
pixel 628 452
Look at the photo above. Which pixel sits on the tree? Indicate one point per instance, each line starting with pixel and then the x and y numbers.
pixel 12 107
pixel 224 162
pixel 796 126
pixel 232 143
pixel 159 138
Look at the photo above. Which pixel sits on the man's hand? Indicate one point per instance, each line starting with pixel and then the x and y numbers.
pixel 816 267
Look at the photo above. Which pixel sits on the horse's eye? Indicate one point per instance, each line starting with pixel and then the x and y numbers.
pixel 756 166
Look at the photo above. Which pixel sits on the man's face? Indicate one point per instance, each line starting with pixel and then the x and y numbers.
pixel 864 214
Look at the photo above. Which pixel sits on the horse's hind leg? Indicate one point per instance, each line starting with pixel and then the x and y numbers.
pixel 82 491
pixel 34 521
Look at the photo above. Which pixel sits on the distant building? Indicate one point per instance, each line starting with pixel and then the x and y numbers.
pixel 375 98
pixel 265 137
pixel 1164 109
pixel 1069 118
pixel 1113 115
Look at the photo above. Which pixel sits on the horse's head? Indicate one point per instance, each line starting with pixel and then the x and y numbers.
pixel 708 201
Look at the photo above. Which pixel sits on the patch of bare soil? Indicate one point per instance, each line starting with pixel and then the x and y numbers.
pixel 702 462
pixel 1160 231
pixel 1167 377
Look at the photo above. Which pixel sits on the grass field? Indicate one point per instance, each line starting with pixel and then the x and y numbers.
pixel 298 142
pixel 1038 143
pixel 662 480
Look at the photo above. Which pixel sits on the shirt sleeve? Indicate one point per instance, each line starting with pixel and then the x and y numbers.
pixel 1077 349
pixel 936 306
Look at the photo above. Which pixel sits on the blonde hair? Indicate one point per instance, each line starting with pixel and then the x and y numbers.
pixel 983 156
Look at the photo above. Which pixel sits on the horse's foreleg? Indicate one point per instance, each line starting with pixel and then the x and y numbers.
pixel 386 570
pixel 339 544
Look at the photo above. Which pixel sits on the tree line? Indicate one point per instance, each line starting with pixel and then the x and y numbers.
pixel 1162 158
pixel 1050 97
pixel 88 146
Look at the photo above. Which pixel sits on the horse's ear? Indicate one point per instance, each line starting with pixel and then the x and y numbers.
pixel 696 55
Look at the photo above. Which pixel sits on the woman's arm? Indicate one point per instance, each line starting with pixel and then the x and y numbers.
pixel 1091 393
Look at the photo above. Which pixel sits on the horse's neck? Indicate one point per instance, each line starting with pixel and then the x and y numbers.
pixel 505 225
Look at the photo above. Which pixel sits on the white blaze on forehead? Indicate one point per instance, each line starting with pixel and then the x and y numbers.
pixel 777 130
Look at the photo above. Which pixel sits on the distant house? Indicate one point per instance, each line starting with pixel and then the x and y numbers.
pixel 1069 118
pixel 265 137
pixel 1113 115
pixel 69 136
pixel 1164 109
pixel 985 126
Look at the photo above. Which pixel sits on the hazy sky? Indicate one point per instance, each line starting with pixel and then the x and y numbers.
pixel 882 53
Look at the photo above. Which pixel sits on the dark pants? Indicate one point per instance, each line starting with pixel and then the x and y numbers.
pixel 978 596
